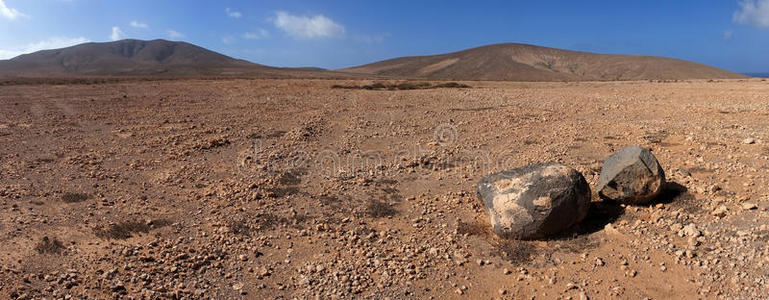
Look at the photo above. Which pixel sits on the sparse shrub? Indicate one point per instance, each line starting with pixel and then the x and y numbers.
pixel 471 228
pixel 49 246
pixel 380 209
pixel 452 85
pixel 516 252
pixel 74 197
pixel 126 229
pixel 401 86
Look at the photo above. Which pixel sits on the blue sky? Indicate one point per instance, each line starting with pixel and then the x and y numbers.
pixel 731 34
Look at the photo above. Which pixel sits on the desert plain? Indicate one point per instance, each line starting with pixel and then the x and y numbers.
pixel 283 189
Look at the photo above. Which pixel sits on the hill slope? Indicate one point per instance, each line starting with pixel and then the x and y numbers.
pixel 131 58
pixel 521 62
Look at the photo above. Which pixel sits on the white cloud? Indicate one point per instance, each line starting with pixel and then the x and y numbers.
pixel 174 34
pixel 257 34
pixel 303 27
pixel 753 13
pixel 9 13
pixel 233 14
pixel 51 43
pixel 137 24
pixel 117 34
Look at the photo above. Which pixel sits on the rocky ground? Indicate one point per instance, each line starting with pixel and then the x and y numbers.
pixel 292 189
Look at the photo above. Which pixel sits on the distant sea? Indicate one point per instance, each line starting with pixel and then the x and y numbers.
pixel 764 75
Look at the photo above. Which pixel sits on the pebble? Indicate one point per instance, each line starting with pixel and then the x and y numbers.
pixel 720 211
pixel 749 206
pixel 748 141
pixel 691 230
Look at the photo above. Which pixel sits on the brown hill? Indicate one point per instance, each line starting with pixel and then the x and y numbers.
pixel 521 62
pixel 137 58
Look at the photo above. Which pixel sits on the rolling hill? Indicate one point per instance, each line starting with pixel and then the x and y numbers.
pixel 137 58
pixel 521 62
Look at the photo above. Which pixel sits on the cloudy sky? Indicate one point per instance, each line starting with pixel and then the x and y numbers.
pixel 731 34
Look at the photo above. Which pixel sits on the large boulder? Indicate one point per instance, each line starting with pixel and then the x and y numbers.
pixel 535 201
pixel 631 176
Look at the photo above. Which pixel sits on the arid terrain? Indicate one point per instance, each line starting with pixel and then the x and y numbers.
pixel 261 189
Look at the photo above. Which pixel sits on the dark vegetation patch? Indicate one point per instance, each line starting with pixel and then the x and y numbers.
pixel 656 138
pixel 388 181
pixel 380 209
pixel 699 170
pixel 239 226
pixel 578 244
pixel 292 177
pixel 329 200
pixel 476 229
pixel 74 197
pixel 401 86
pixel 282 191
pixel 214 143
pixel 127 229
pixel 248 225
pixel 49 246
pixel 276 134
pixel 516 252
pixel 269 221
pixel 287 183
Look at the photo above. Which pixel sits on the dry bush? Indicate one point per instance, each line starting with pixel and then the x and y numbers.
pixel 74 197
pixel 401 86
pixel 49 246
pixel 380 209
pixel 126 229
pixel 471 228
pixel 516 252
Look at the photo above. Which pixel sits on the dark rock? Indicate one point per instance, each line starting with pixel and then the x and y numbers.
pixel 535 201
pixel 632 176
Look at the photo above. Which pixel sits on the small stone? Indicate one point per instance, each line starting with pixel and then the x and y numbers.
pixel 748 141
pixel 720 211
pixel 691 230
pixel 506 271
pixel 238 286
pixel 599 262
pixel 243 257
pixel 749 206
pixel 502 292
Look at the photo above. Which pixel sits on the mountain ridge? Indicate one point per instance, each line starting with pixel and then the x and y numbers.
pixel 524 62
pixel 506 61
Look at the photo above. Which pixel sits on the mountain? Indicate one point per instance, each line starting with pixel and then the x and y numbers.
pixel 521 62
pixel 136 58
